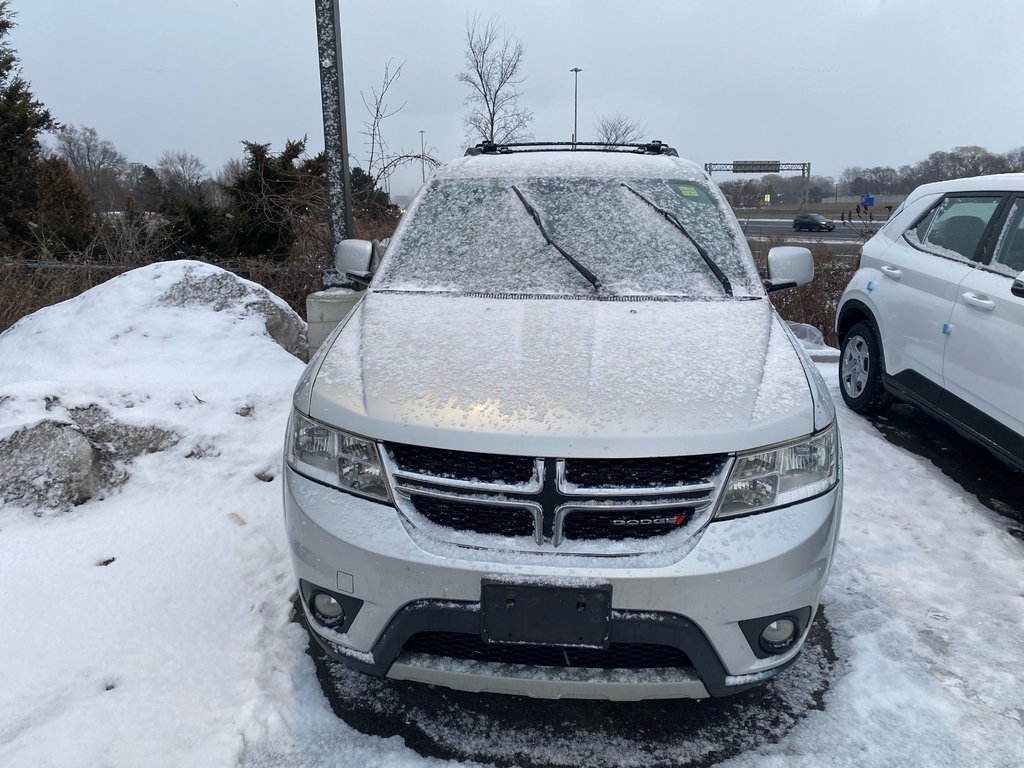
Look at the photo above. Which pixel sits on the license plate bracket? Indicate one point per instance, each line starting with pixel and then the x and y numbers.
pixel 546 614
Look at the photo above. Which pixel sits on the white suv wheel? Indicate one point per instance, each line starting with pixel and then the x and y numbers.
pixel 855 365
pixel 861 369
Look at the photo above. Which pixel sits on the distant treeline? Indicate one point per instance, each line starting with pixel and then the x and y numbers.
pixel 879 180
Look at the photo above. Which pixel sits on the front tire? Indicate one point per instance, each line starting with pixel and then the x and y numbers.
pixel 860 370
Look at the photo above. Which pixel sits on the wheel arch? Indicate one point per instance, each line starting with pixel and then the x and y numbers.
pixel 853 312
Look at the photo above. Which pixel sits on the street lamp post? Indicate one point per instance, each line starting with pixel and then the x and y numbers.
pixel 332 97
pixel 575 101
pixel 423 171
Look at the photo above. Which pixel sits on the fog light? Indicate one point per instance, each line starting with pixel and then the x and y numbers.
pixel 327 609
pixel 778 635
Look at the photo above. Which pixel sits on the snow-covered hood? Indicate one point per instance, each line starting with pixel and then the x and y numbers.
pixel 556 377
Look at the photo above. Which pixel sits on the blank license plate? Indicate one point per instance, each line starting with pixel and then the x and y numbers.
pixel 539 614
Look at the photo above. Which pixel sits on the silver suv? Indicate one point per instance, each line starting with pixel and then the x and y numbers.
pixel 564 446
pixel 935 312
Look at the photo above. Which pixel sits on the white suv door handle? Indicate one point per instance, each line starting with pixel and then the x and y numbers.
pixel 892 272
pixel 978 302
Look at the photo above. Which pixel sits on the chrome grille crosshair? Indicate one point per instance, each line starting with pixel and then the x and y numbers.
pixel 553 500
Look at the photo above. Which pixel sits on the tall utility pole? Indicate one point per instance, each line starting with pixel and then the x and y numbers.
pixel 332 96
pixel 575 100
pixel 423 170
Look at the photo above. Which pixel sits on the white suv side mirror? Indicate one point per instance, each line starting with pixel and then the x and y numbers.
pixel 788 267
pixel 1017 288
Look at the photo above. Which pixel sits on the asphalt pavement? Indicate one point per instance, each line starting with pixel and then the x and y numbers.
pixel 844 231
pixel 977 471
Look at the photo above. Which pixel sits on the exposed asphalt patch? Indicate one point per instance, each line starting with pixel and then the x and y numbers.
pixel 996 484
pixel 534 733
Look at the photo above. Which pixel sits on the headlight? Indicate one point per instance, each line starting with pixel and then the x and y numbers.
pixel 781 475
pixel 337 458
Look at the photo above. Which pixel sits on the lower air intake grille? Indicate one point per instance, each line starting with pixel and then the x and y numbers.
pixel 617 656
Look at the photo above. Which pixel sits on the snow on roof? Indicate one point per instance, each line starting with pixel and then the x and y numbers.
pixel 996 182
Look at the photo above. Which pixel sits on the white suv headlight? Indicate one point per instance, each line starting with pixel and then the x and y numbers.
pixel 337 458
pixel 782 474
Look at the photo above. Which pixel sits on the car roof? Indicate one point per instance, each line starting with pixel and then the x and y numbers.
pixel 567 163
pixel 997 182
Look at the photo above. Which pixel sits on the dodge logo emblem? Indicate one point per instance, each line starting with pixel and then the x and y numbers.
pixel 634 521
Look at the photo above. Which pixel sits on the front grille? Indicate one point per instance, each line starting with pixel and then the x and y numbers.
pixel 479 518
pixel 482 467
pixel 643 473
pixel 456 645
pixel 553 500
pixel 620 524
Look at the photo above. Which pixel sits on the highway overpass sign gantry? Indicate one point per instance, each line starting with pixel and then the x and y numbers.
pixel 766 166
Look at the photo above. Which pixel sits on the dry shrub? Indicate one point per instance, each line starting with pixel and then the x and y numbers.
pixel 32 279
pixel 26 286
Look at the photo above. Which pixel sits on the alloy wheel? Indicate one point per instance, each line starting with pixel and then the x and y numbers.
pixel 855 366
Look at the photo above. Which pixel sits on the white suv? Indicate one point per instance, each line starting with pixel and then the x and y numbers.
pixel 935 314
pixel 564 446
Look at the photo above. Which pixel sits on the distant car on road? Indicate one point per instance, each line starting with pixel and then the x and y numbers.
pixel 934 316
pixel 813 222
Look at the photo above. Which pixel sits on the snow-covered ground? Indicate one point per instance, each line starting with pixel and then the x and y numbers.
pixel 150 625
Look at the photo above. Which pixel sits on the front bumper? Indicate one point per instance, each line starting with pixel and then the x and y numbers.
pixel 740 569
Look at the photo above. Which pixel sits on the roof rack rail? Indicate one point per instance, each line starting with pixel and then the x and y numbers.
pixel 654 147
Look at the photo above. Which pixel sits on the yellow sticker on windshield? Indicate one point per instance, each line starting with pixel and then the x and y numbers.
pixel 688 191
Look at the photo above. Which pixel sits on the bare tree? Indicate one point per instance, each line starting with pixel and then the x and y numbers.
pixel 1015 159
pixel 976 161
pixel 96 163
pixel 619 129
pixel 227 176
pixel 494 60
pixel 381 162
pixel 183 175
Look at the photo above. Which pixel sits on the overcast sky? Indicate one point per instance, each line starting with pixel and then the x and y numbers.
pixel 858 82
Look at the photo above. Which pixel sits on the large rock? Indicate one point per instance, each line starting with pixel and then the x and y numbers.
pixel 55 465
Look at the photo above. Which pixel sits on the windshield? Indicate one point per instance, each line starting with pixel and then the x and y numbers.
pixel 477 236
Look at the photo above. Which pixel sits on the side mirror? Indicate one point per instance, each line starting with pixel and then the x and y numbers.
pixel 353 256
pixel 788 267
pixel 1017 288
pixel 353 266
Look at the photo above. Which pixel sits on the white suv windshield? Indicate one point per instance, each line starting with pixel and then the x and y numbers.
pixel 477 236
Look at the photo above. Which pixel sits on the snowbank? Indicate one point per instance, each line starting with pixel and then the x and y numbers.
pixel 92 383
pixel 140 626
pixel 813 342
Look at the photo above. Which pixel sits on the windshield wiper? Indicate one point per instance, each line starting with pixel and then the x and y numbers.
pixel 700 249
pixel 536 218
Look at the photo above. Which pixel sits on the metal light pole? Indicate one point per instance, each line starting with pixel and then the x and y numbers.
pixel 575 100
pixel 423 170
pixel 332 96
